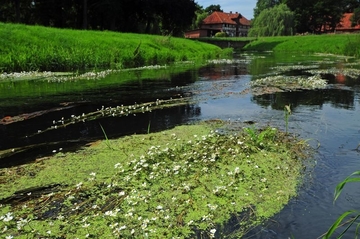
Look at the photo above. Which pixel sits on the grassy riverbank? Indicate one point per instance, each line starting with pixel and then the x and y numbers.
pixel 176 183
pixel 339 44
pixel 29 48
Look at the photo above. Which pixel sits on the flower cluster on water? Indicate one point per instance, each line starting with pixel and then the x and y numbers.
pixel 183 188
pixel 68 76
pixel 280 83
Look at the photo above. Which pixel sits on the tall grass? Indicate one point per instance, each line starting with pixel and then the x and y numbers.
pixel 26 48
pixel 341 44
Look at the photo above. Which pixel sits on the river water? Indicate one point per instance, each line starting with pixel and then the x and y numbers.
pixel 328 118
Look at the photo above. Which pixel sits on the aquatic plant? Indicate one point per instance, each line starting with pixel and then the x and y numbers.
pixel 351 216
pixel 350 72
pixel 106 138
pixel 287 111
pixel 282 83
pixel 162 185
pixel 116 111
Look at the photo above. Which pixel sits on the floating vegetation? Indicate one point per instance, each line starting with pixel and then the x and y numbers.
pixel 230 61
pixel 172 184
pixel 68 76
pixel 350 72
pixel 272 84
pixel 117 111
pixel 293 67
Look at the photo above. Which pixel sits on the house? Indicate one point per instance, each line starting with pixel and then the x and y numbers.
pixel 345 24
pixel 233 24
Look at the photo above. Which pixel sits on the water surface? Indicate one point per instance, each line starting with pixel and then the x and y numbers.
pixel 329 118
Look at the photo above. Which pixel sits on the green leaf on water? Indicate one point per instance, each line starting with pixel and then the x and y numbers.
pixel 342 184
pixel 336 224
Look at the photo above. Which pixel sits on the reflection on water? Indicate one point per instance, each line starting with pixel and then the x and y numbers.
pixel 329 118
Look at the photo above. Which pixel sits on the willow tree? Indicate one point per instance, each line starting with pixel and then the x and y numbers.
pixel 275 21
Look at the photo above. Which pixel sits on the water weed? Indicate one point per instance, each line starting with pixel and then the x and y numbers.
pixel 185 182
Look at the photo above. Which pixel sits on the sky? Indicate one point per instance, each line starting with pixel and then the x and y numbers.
pixel 245 7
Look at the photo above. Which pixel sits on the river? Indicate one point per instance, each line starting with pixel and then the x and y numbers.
pixel 329 118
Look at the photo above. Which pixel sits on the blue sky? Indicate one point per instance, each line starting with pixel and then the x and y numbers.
pixel 245 7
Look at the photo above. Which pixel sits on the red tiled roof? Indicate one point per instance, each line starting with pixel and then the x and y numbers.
pixel 223 17
pixel 345 23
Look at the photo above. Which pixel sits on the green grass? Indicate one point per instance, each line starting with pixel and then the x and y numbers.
pixel 28 48
pixel 341 44
pixel 168 184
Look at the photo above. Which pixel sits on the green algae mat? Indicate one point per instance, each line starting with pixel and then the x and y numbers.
pixel 185 182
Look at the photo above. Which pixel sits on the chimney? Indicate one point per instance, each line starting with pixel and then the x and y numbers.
pixel 230 12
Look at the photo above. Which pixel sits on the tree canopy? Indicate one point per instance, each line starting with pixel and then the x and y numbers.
pixel 274 21
pixel 312 16
pixel 141 16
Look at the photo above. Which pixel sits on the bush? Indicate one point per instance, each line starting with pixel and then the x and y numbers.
pixel 221 34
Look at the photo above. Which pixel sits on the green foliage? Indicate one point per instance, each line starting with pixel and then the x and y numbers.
pixel 340 44
pixel 262 5
pixel 275 21
pixel 140 16
pixel 355 18
pixel 355 215
pixel 221 34
pixel 106 138
pixel 313 16
pixel 352 46
pixel 28 48
pixel 160 185
pixel 213 8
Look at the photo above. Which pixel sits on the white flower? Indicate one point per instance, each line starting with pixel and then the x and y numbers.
pixel 9 237
pixel 212 233
pixel 159 207
pixel 110 213
pixel 236 170
pixel 78 186
pixel 8 217
pixel 86 225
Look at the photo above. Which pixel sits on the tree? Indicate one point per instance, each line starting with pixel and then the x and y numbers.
pixel 275 21
pixel 355 18
pixel 316 16
pixel 261 5
pixel 213 8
